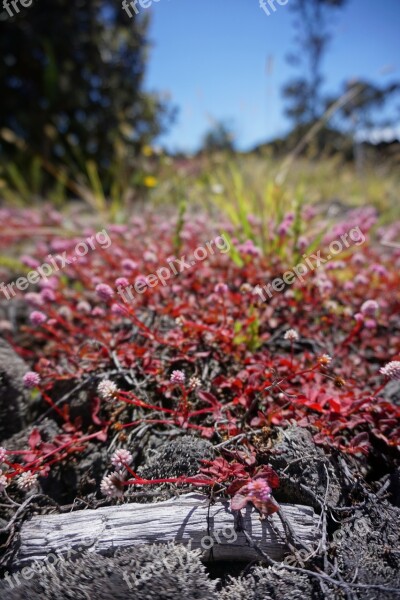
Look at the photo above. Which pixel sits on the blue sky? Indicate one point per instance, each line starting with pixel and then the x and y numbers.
pixel 225 59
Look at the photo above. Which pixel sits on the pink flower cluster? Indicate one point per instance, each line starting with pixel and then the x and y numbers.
pixel 112 485
pixel 178 377
pixel 257 490
pixel 31 379
pixel 37 318
pixel 104 291
pixel 392 370
pixel 107 389
pixel 121 458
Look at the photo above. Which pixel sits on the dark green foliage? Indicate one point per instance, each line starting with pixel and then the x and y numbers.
pixel 71 79
pixel 366 109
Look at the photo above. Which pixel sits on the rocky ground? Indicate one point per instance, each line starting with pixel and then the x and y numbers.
pixel 361 525
pixel 199 372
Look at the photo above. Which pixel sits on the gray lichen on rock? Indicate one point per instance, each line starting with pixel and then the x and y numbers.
pixel 157 572
pixel 176 458
pixel 267 584
pixel 368 545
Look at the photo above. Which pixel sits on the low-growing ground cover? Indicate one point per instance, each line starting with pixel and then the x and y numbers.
pixel 165 329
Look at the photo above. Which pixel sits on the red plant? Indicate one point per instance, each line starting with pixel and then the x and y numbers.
pixel 248 376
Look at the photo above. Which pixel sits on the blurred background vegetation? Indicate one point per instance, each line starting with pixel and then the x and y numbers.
pixel 76 123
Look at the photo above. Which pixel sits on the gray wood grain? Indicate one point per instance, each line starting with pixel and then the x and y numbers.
pixel 182 520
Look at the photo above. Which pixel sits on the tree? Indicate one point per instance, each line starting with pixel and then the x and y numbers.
pixel 304 96
pixel 219 137
pixel 72 81
pixel 366 111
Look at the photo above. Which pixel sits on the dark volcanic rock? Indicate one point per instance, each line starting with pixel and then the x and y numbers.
pixel 392 392
pixel 306 466
pixel 14 399
pixel 80 476
pixel 15 312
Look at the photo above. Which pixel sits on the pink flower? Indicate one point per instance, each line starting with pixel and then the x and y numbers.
pixel 194 382
pixel 370 308
pixel 361 279
pixel 120 458
pixel 107 389
pixel 370 323
pixel 253 220
pixel 37 318
pixel 121 282
pixel 34 299
pixel 112 486
pixel 392 370
pixel 31 379
pixel 3 454
pixel 27 481
pixel 149 256
pixel 178 377
pixel 324 284
pixel 83 306
pixel 249 248
pixel 104 291
pixel 116 309
pixel 141 279
pixel 291 335
pixel 258 489
pixel 51 282
pixel 29 261
pixel 358 259
pixel 379 270
pixel 302 242
pixel 336 264
pixel 258 492
pixel 283 228
pixel 221 288
pixel 47 295
pixel 118 228
pixel 129 265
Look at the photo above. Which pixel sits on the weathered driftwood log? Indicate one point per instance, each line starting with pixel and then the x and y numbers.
pixel 188 520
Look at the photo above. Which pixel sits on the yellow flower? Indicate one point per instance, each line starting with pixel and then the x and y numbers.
pixel 149 181
pixel 147 151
